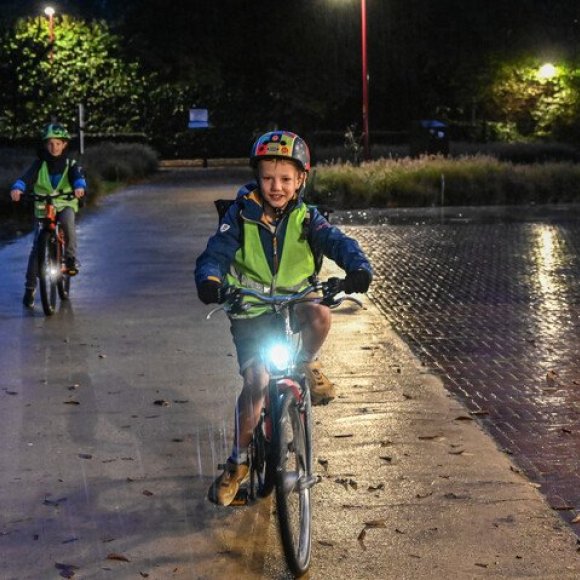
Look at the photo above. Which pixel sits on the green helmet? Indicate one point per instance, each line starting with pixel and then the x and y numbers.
pixel 55 131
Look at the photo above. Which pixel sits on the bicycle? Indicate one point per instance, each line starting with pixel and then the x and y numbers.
pixel 280 454
pixel 52 272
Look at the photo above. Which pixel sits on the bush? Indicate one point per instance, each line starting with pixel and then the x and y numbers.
pixel 118 162
pixel 432 181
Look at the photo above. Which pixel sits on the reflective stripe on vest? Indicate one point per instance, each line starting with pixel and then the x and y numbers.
pixel 250 268
pixel 43 186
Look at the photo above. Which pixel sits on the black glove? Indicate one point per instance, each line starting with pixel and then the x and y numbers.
pixel 210 292
pixel 357 281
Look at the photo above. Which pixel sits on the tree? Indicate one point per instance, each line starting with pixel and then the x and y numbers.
pixel 40 82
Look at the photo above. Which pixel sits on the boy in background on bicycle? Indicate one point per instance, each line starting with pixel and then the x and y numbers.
pixel 268 241
pixel 51 174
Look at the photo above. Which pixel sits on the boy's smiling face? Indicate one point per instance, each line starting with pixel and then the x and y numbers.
pixel 279 181
pixel 56 146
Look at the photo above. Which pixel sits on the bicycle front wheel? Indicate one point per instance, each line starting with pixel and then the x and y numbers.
pixel 293 483
pixel 48 270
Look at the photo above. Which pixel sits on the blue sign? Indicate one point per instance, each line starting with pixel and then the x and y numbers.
pixel 198 119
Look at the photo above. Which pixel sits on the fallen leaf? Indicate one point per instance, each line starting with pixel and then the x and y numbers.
pixel 343 435
pixel 457 452
pixel 117 557
pixel 181 401
pixel 161 403
pixel 428 437
pixel 54 502
pixel 479 412
pixel 376 524
pixel 71 403
pixel 147 492
pixel 85 456
pixel 552 378
pixel 386 458
pixel 353 483
pixel 423 495
pixel 362 535
pixel 464 418
pixel 576 520
pixel 376 487
pixel 326 543
pixel 66 570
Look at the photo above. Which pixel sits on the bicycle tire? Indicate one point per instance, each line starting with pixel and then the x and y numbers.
pixel 262 464
pixel 293 482
pixel 63 283
pixel 47 271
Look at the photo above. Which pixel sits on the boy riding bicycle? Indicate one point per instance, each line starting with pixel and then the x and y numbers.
pixel 51 174
pixel 268 241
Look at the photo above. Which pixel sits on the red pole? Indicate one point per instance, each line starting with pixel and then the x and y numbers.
pixel 365 81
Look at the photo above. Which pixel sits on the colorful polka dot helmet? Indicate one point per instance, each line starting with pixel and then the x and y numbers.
pixel 281 145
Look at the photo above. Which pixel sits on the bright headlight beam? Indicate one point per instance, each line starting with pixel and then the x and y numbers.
pixel 279 356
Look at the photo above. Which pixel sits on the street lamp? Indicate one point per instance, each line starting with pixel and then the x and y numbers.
pixel 547 71
pixel 49 11
pixel 365 81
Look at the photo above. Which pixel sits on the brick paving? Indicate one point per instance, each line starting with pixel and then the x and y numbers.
pixel 494 308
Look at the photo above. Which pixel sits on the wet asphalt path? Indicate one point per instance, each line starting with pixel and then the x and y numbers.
pixel 107 450
pixel 490 299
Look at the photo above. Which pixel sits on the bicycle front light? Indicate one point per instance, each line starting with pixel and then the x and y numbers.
pixel 279 356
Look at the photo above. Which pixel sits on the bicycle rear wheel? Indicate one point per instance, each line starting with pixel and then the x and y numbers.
pixel 48 267
pixel 293 482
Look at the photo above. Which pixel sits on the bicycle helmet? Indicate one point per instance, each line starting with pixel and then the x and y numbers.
pixel 55 131
pixel 281 145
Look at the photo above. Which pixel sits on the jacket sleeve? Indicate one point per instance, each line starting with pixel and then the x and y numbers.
pixel 76 176
pixel 336 245
pixel 214 262
pixel 27 180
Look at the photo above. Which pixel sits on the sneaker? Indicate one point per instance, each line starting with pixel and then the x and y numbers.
pixel 28 299
pixel 72 266
pixel 321 389
pixel 224 489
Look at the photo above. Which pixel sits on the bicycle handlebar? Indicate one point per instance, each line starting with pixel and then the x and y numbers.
pixel 38 197
pixel 332 287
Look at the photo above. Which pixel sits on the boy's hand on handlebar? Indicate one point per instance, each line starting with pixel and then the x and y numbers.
pixel 80 192
pixel 211 292
pixel 357 281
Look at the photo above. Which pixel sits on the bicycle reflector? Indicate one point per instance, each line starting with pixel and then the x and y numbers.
pixel 279 356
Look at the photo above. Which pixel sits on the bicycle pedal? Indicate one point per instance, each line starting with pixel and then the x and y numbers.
pixel 242 498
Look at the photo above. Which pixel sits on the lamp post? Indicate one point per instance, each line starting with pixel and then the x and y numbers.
pixel 365 82
pixel 49 11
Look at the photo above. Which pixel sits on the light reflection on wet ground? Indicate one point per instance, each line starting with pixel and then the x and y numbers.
pixel 490 298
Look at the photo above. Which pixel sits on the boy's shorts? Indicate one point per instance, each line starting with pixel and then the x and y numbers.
pixel 251 335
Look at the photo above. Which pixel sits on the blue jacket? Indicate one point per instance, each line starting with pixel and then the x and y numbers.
pixel 325 239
